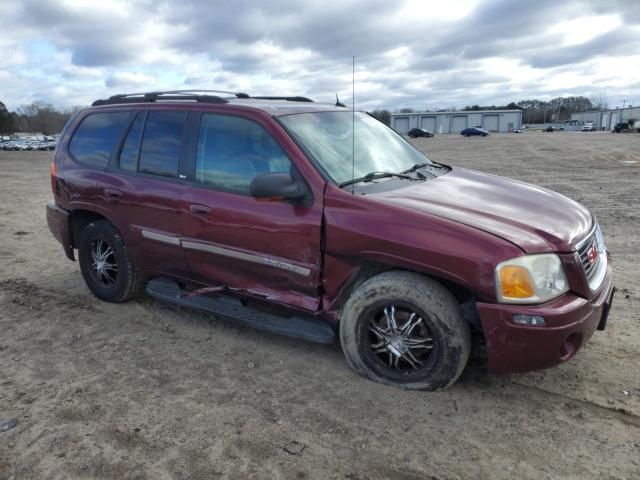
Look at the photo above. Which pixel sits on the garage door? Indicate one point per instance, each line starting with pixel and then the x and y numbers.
pixel 491 122
pixel 401 125
pixel 459 123
pixel 428 123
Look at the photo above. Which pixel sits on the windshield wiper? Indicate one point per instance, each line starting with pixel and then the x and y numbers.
pixel 374 176
pixel 416 167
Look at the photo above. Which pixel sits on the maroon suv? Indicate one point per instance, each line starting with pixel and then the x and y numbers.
pixel 314 221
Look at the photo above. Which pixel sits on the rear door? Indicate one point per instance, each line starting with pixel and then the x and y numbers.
pixel 143 189
pixel 269 249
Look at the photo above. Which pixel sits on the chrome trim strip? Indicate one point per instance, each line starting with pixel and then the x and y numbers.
pixel 225 252
pixel 158 237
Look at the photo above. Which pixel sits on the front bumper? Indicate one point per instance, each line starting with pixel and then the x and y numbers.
pixel 58 221
pixel 569 322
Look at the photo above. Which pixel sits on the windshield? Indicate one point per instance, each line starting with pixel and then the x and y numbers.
pixel 328 137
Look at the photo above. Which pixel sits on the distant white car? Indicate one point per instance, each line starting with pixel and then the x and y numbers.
pixel 588 127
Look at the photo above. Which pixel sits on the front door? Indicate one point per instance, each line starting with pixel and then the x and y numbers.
pixel 268 249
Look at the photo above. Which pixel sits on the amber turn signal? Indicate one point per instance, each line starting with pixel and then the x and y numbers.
pixel 516 282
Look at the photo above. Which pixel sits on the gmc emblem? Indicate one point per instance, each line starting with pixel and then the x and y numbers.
pixel 592 254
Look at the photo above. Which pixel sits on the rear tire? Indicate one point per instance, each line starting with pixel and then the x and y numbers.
pixel 379 342
pixel 105 263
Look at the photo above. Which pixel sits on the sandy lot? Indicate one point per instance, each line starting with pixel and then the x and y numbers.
pixel 140 390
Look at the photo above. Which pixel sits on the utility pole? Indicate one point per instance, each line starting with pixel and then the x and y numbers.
pixel 560 105
pixel 624 102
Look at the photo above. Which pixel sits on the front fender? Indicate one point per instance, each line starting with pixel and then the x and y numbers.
pixel 361 230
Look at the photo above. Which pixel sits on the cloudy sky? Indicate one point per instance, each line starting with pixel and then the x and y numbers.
pixel 422 54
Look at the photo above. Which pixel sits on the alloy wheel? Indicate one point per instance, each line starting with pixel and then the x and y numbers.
pixel 400 338
pixel 104 266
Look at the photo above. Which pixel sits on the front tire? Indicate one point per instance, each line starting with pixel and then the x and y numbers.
pixel 105 263
pixel 405 330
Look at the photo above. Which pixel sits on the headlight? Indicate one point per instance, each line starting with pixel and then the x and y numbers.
pixel 530 279
pixel 602 249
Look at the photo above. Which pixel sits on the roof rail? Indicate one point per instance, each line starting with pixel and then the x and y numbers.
pixel 181 95
pixel 288 99
pixel 295 98
pixel 170 95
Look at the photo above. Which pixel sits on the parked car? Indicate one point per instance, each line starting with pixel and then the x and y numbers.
pixel 419 132
pixel 517 130
pixel 588 127
pixel 471 131
pixel 22 145
pixel 255 210
pixel 559 127
pixel 47 145
pixel 621 127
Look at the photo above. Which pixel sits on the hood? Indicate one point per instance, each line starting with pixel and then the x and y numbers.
pixel 531 217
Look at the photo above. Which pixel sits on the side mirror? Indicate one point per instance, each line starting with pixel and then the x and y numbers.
pixel 276 186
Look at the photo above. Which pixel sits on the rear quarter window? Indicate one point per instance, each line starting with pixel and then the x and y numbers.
pixel 96 137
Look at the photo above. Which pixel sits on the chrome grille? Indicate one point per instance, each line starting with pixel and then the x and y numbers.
pixel 588 267
pixel 595 270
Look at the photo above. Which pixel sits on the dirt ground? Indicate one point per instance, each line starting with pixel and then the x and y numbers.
pixel 140 390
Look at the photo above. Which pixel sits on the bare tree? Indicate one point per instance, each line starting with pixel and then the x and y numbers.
pixel 601 101
pixel 383 115
pixel 43 118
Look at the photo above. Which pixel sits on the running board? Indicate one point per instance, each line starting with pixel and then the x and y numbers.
pixel 230 308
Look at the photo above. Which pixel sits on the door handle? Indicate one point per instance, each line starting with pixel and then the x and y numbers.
pixel 197 209
pixel 112 193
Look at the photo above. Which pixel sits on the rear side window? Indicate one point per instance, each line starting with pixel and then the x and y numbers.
pixel 129 154
pixel 232 151
pixel 96 137
pixel 162 143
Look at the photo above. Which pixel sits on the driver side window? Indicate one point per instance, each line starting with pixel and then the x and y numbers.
pixel 232 151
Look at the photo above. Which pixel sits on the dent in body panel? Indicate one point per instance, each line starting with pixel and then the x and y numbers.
pixel 360 228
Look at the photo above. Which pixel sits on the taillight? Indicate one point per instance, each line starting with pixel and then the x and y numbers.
pixel 53 170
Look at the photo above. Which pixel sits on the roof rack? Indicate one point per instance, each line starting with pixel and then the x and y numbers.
pixel 170 95
pixel 288 99
pixel 182 95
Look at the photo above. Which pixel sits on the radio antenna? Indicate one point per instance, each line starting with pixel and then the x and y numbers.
pixel 353 123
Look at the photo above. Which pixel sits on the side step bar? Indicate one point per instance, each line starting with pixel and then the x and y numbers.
pixel 296 326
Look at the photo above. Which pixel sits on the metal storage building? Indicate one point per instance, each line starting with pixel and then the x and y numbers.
pixel 454 122
pixel 607 119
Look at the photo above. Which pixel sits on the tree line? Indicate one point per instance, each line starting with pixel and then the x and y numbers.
pixel 533 111
pixel 37 117
pixel 44 118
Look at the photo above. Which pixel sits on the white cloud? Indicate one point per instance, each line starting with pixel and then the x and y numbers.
pixel 410 53
pixel 582 29
pixel 129 79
